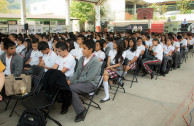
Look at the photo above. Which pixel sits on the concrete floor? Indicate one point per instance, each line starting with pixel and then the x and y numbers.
pixel 148 103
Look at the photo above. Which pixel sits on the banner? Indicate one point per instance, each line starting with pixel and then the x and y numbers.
pixel 172 27
pixel 32 29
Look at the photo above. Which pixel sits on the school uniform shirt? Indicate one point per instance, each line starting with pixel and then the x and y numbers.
pixel 2 67
pixel 130 55
pixel 192 41
pixel 8 66
pixel 1 51
pixel 167 49
pixel 110 44
pixel 50 45
pixel 35 55
pixel 20 48
pixel 148 43
pixel 49 59
pixel 87 60
pixel 101 55
pixel 177 44
pixel 140 49
pixel 67 62
pixel 159 50
pixel 184 42
pixel 162 44
pixel 76 45
pixel 77 52
pixel 112 55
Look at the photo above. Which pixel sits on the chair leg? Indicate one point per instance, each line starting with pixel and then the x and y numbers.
pixel 8 103
pixel 132 81
pixel 116 91
pixel 13 108
pixel 158 71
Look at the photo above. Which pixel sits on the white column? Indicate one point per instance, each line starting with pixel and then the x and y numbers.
pixel 135 9
pixel 97 8
pixel 67 12
pixel 149 26
pixel 23 11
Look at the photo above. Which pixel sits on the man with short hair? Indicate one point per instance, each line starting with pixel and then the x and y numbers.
pixel 65 62
pixel 13 38
pixel 77 52
pixel 85 79
pixel 12 60
pixel 49 56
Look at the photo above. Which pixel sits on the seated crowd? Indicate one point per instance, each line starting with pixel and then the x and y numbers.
pixel 80 56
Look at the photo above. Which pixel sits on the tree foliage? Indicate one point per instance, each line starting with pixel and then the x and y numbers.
pixel 81 10
pixel 155 7
pixel 4 6
pixel 183 5
pixel 85 11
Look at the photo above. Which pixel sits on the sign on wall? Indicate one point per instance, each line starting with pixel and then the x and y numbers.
pixel 145 13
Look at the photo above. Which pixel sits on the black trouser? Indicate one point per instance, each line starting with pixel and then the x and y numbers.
pixel 146 63
pixel 164 62
pixel 177 59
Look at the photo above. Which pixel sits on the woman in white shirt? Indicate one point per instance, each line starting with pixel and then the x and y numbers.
pixel 100 51
pixel 131 54
pixel 168 50
pixel 157 52
pixel 114 66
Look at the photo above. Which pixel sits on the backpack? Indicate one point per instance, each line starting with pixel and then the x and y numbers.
pixel 32 117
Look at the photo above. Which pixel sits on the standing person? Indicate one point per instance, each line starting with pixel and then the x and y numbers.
pixel 2 78
pixel 134 28
pixel 140 28
pixel 114 66
pixel 184 23
pixel 129 28
pixel 85 79
pixel 157 52
pixel 169 20
pixel 49 56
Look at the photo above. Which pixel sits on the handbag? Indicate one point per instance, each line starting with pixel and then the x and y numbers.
pixel 13 84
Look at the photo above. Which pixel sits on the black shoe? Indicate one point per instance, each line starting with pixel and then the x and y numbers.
pixel 144 74
pixel 81 116
pixel 164 75
pixel 102 101
pixel 64 110
pixel 152 75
